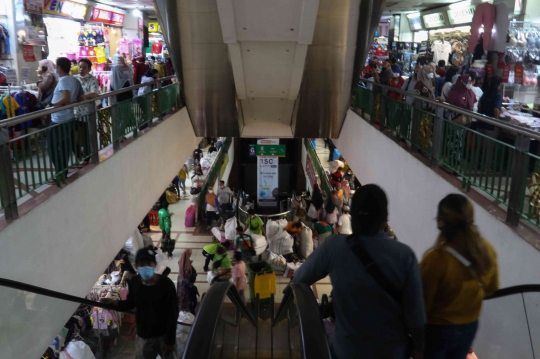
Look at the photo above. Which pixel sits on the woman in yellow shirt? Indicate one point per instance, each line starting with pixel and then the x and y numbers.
pixel 458 272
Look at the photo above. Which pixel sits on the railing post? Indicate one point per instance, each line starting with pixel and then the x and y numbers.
pixel 437 136
pixel 7 183
pixel 372 101
pixel 149 113
pixel 93 133
pixel 160 114
pixel 115 123
pixel 415 126
pixel 519 179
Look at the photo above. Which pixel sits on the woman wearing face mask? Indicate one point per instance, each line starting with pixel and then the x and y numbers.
pixel 424 85
pixel 148 76
pixel 409 86
pixel 448 82
pixel 122 77
pixel 396 82
pixel 46 83
pixel 458 272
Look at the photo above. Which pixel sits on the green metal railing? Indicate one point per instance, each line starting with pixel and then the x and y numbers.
pixel 44 156
pixel 325 183
pixel 212 175
pixel 507 172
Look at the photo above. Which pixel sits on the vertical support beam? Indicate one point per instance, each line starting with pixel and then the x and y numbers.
pixel 115 123
pixel 437 137
pixel 93 133
pixel 519 179
pixel 415 126
pixel 7 183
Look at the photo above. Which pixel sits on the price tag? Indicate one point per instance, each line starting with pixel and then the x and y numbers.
pixel 11 76
pixel 25 74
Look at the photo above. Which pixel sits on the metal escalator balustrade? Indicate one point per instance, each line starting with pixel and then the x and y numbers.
pixel 26 158
pixel 504 169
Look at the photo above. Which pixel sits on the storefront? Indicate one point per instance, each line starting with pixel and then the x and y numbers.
pixel 157 46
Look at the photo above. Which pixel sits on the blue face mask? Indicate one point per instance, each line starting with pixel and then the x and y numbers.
pixel 146 272
pixel 56 73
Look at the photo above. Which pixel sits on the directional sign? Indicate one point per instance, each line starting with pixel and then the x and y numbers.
pixel 271 150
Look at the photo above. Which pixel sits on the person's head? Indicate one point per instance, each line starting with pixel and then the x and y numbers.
pixel 393 61
pixel 251 213
pixel 387 65
pixel 121 61
pixel 430 70
pixel 339 169
pixel 153 58
pixel 298 195
pixel 349 172
pixel 73 62
pixel 495 84
pixel 151 73
pixel 210 190
pixel 466 80
pixel 416 70
pixel 239 230
pixel 314 220
pixel 237 256
pixel 338 186
pixel 441 63
pixel 221 184
pixel 85 66
pixel 346 209
pixel 333 193
pixel 63 65
pixel 45 66
pixel 372 65
pixel 473 77
pixel 375 59
pixel 369 212
pixel 165 205
pixel 455 220
pixel 221 250
pixel 297 224
pixel 145 262
pixel 451 73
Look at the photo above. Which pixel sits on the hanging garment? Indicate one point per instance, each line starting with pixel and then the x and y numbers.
pixel 483 15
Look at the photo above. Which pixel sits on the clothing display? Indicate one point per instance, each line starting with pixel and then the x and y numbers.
pixel 124 44
pixel 483 15
pixel 441 50
pixel 157 47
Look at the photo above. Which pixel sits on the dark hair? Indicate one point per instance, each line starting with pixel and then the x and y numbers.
pixel 150 73
pixel 152 57
pixel 86 61
pixel 238 256
pixel 473 76
pixel 373 64
pixel 221 250
pixel 222 182
pixel 64 63
pixel 369 210
pixel 166 272
pixel 240 229
pixel 314 220
pixel 74 62
pixel 393 61
pixel 251 211
pixel 297 225
pixel 451 73
pixel 165 204
pixel 493 87
pixel 442 63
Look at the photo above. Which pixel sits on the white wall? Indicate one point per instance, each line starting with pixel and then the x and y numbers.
pixel 414 191
pixel 65 243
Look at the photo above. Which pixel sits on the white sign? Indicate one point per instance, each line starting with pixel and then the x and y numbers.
pixel 434 20
pixel 11 76
pixel 461 15
pixel 267 176
pixel 25 74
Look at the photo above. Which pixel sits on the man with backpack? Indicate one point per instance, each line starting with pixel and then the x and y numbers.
pixel 244 244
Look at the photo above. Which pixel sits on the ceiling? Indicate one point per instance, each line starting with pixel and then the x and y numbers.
pixel 143 5
pixel 407 6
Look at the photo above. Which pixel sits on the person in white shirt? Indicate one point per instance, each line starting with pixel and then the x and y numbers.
pixel 477 90
pixel 344 223
pixel 409 85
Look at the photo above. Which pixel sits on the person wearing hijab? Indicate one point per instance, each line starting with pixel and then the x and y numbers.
pixel 148 76
pixel 186 274
pixel 46 83
pixel 424 85
pixel 316 197
pixel 409 86
pixel 461 95
pixel 122 77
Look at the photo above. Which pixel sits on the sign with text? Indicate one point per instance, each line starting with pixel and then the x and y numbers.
pixel 65 8
pixel 33 7
pixel 153 26
pixel 461 15
pixel 11 76
pixel 252 151
pixel 271 150
pixel 107 17
pixel 267 176
pixel 25 73
pixel 434 20
pixel 28 53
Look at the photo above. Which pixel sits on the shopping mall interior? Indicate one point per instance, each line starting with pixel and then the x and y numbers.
pixel 186 179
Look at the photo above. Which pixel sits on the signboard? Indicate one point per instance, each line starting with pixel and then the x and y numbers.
pixel 271 150
pixel 25 73
pixel 414 21
pixel 461 15
pixel 267 176
pixel 65 8
pixel 310 171
pixel 33 7
pixel 107 17
pixel 28 53
pixel 11 76
pixel 30 28
pixel 252 151
pixel 397 25
pixel 153 26
pixel 434 20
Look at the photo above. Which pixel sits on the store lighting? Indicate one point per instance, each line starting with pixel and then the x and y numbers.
pixel 84 2
pixel 137 13
pixel 460 5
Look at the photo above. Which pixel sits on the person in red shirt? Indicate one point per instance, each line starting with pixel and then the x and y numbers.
pixel 336 177
pixel 395 82
pixel 140 67
pixel 441 69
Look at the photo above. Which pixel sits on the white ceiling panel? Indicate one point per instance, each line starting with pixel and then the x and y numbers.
pixel 267 68
pixel 278 110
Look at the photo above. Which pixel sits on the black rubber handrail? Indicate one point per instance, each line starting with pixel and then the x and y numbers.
pixel 62 296
pixel 202 336
pixel 312 331
pixel 525 288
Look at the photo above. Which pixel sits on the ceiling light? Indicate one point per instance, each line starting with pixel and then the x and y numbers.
pixel 137 13
pixel 460 5
pixel 84 2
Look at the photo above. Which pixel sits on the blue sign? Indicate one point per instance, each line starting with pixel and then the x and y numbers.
pixel 252 151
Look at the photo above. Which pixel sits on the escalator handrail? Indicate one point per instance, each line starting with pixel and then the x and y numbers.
pixel 312 331
pixel 518 289
pixel 62 296
pixel 201 338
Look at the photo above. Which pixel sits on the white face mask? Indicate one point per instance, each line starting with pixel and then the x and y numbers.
pixel 430 75
pixel 469 86
pixel 210 191
pixel 396 74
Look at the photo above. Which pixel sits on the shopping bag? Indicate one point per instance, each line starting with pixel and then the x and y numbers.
pixel 259 243
pixel 230 229
pixel 312 211
pixel 306 241
pixel 277 261
pixel 210 277
pixel 190 217
pixel 291 268
pixel 337 154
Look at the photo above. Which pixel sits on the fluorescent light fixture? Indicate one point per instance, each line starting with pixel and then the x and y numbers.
pixel 84 2
pixel 137 13
pixel 413 15
pixel 460 5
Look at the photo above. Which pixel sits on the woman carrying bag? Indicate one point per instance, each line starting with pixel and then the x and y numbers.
pixel 46 83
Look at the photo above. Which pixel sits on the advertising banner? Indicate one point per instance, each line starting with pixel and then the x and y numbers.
pixel 267 176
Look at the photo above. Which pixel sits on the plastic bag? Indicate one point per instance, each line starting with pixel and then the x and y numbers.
pixel 334 165
pixel 312 211
pixel 210 276
pixel 277 261
pixel 162 261
pixel 230 229
pixel 259 243
pixel 79 350
pixel 182 332
pixel 291 268
pixel 306 241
